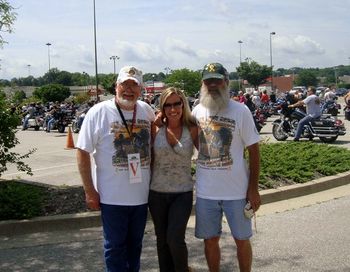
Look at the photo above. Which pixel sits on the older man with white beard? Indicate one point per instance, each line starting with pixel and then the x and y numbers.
pixel 224 184
pixel 117 133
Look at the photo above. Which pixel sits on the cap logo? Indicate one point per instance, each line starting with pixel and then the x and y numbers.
pixel 211 68
pixel 131 72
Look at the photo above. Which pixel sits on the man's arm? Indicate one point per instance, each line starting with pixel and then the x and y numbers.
pixel 92 197
pixel 254 169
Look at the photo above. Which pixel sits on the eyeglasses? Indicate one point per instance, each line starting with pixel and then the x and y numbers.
pixel 129 84
pixel 176 105
pixel 215 81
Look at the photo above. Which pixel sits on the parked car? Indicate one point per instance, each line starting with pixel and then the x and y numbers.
pixel 341 92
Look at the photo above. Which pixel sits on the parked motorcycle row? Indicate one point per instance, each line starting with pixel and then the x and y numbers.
pixel 327 128
pixel 53 116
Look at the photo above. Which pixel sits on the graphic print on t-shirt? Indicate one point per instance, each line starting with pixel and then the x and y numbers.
pixel 137 143
pixel 214 141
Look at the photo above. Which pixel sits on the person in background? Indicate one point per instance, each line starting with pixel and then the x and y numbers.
pixel 313 110
pixel 171 194
pixel 264 97
pixel 242 98
pixel 256 99
pixel 224 183
pixel 117 133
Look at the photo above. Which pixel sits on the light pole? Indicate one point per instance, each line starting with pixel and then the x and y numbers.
pixel 48 54
pixel 336 77
pixel 114 58
pixel 167 70
pixel 240 62
pixel 240 51
pixel 86 81
pixel 96 73
pixel 271 33
pixel 28 69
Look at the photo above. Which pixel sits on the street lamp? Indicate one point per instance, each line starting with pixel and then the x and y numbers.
pixel 28 69
pixel 86 81
pixel 271 33
pixel 48 54
pixel 96 73
pixel 114 58
pixel 240 62
pixel 240 51
pixel 167 70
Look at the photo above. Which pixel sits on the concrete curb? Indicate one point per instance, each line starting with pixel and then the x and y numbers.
pixel 92 219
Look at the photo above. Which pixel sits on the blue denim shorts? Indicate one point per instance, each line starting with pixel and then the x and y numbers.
pixel 209 218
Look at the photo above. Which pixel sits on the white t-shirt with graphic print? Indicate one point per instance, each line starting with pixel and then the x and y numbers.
pixel 104 135
pixel 222 171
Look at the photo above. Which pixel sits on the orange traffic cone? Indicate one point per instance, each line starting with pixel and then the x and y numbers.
pixel 70 142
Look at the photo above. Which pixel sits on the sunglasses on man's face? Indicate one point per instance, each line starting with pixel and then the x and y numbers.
pixel 176 105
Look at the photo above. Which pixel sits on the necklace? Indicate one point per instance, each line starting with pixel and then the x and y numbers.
pixel 173 140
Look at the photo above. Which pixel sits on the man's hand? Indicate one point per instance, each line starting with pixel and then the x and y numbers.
pixel 253 197
pixel 159 119
pixel 92 199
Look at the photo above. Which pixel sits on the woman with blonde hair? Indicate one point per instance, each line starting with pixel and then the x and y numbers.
pixel 171 188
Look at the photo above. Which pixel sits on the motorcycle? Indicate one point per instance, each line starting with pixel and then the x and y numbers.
pixel 35 121
pixel 76 122
pixel 259 119
pixel 62 120
pixel 331 108
pixel 326 128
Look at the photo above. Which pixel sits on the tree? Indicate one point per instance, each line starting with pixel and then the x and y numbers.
pixel 52 92
pixel 7 19
pixel 185 79
pixel 233 75
pixel 254 73
pixel 108 82
pixel 8 140
pixel 18 96
pixel 306 78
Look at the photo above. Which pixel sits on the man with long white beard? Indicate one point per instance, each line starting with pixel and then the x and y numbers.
pixel 117 133
pixel 224 184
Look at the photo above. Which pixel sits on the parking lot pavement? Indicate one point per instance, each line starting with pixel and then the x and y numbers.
pixel 53 164
pixel 309 233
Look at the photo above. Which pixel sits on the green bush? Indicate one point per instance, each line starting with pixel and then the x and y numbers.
pixel 19 200
pixel 300 162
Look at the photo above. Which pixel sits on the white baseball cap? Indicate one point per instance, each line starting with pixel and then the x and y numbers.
pixel 130 72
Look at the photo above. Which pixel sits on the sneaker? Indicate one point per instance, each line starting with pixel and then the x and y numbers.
pixel 296 140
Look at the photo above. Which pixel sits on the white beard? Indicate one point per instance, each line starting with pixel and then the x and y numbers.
pixel 214 102
pixel 126 103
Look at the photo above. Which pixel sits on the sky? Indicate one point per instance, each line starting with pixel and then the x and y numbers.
pixel 153 35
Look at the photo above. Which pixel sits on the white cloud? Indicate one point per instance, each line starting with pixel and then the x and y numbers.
pixel 180 46
pixel 299 45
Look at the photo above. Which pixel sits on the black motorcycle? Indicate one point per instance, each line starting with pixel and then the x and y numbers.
pixel 327 128
pixel 62 120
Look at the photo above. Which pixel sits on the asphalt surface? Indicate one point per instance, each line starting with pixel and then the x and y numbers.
pixel 309 233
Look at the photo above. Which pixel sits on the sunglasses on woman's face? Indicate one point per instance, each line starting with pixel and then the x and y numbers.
pixel 176 105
